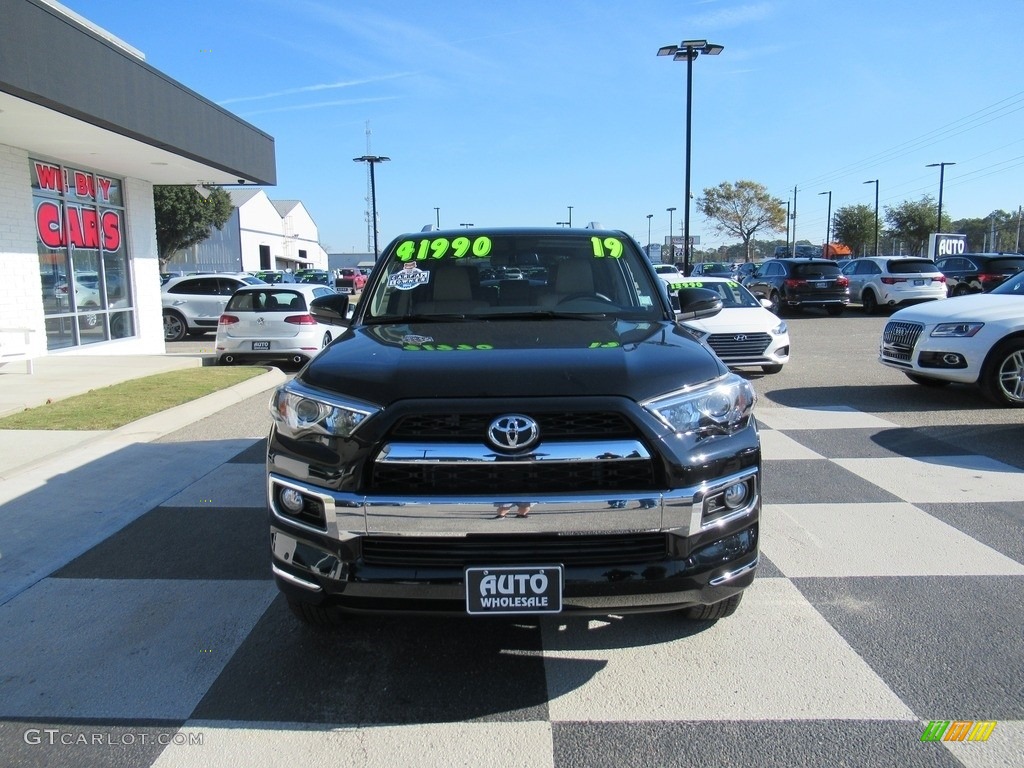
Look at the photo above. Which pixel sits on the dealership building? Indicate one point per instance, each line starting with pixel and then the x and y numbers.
pixel 87 128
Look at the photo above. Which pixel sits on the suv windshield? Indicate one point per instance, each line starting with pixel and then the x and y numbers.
pixel 511 273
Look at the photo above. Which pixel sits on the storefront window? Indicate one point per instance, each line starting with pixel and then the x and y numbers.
pixel 80 231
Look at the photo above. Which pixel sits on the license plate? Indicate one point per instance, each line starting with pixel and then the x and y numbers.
pixel 261 346
pixel 919 282
pixel 346 290
pixel 514 589
pixel 821 285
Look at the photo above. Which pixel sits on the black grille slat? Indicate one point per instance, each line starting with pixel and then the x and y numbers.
pixel 539 477
pixel 438 552
pixel 899 339
pixel 473 426
pixel 727 345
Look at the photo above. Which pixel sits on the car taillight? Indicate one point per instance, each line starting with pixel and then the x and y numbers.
pixel 939 279
pixel 791 282
pixel 842 281
pixel 985 277
pixel 227 320
pixel 301 320
pixel 893 280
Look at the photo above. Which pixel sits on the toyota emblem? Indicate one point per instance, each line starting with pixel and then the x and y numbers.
pixel 513 432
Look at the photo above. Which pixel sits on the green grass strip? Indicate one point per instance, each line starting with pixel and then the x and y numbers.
pixel 119 404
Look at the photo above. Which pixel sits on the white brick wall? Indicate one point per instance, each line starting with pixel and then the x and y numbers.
pixel 21 299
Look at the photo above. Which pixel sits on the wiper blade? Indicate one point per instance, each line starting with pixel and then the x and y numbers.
pixel 545 314
pixel 389 319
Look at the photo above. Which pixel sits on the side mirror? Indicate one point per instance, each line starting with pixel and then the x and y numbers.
pixel 698 303
pixel 331 310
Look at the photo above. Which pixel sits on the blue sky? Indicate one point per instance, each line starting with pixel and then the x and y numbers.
pixel 507 113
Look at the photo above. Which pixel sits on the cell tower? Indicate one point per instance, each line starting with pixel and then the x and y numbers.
pixel 370 223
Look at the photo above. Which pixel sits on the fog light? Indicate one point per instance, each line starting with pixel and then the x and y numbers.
pixel 951 359
pixel 291 500
pixel 736 496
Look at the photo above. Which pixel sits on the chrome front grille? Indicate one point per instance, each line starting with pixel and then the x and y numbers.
pixel 473 426
pixel 899 339
pixel 730 345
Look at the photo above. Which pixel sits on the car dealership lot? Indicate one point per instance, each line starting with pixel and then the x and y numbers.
pixel 890 595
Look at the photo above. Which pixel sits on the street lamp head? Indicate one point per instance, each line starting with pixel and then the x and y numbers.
pixel 689 49
pixel 370 159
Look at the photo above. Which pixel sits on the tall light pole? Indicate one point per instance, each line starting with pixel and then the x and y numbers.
pixel 828 219
pixel 875 182
pixel 649 217
pixel 687 51
pixel 787 226
pixel 671 234
pixel 372 160
pixel 569 224
pixel 942 173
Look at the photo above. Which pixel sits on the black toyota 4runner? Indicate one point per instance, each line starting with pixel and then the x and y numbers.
pixel 484 444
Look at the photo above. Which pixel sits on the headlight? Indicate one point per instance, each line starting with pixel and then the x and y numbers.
pixel 720 408
pixel 956 330
pixel 298 409
pixel 780 329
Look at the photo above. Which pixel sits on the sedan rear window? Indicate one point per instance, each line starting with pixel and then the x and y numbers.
pixel 266 301
pixel 911 266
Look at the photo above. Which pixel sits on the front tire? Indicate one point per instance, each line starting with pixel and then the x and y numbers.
pixel 776 307
pixel 714 611
pixel 175 328
pixel 1002 377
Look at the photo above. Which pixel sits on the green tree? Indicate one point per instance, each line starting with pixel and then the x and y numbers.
pixel 995 232
pixel 854 226
pixel 911 222
pixel 184 217
pixel 742 209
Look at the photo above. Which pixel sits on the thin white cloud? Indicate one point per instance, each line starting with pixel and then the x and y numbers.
pixel 734 17
pixel 319 105
pixel 313 88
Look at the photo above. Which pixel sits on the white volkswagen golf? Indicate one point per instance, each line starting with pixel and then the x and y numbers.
pixel 974 339
pixel 272 323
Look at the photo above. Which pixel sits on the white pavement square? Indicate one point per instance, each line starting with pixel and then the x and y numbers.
pixel 707 676
pixel 894 539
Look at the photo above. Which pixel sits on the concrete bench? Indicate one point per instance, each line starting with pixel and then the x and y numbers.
pixel 15 345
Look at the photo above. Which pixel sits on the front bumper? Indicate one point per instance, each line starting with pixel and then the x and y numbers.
pixel 660 551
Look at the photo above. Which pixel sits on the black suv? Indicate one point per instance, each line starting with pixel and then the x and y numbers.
pixel 798 283
pixel 481 447
pixel 978 272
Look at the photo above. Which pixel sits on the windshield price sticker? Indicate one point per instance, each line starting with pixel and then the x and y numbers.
pixel 514 589
pixel 607 247
pixel 441 247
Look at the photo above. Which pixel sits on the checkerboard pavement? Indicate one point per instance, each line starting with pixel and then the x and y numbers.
pixel 891 593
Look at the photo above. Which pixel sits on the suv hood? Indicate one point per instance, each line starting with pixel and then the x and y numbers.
pixel 512 358
pixel 980 307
